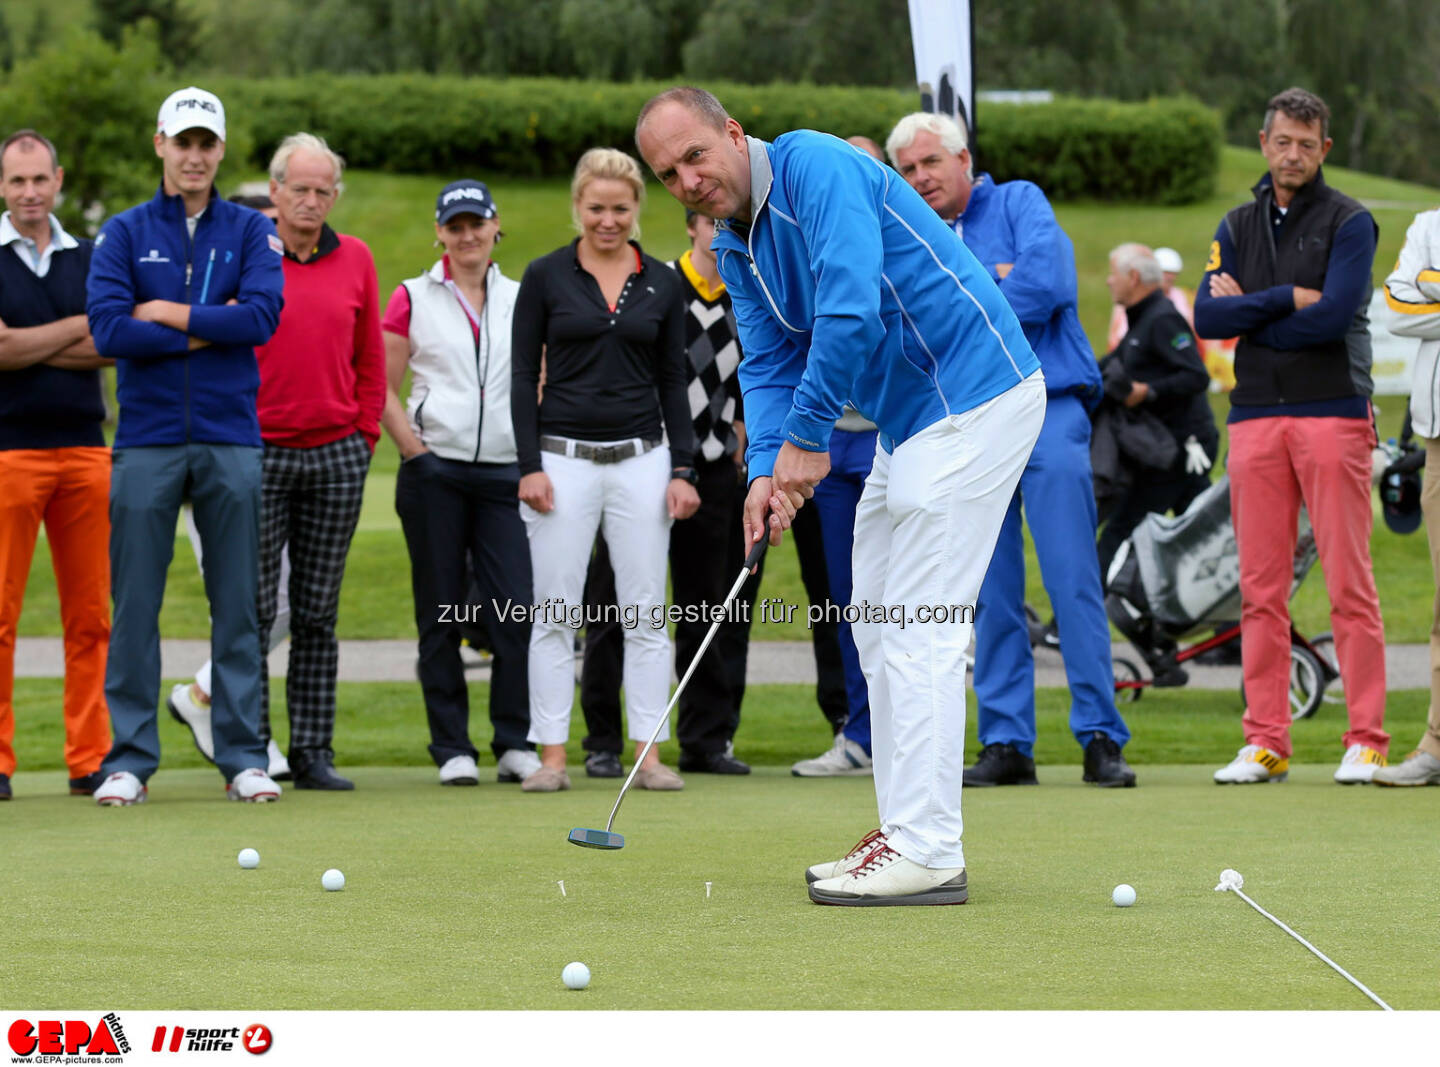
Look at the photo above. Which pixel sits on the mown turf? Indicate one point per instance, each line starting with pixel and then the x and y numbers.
pixel 383 724
pixel 452 899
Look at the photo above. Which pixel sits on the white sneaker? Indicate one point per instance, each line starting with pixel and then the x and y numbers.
pixel 253 786
pixel 1253 764
pixel 185 709
pixel 1419 768
pixel 844 758
pixel 835 868
pixel 459 770
pixel 1358 765
pixel 120 790
pixel 279 768
pixel 884 878
pixel 516 765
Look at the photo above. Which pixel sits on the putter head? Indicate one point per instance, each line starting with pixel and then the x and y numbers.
pixel 596 838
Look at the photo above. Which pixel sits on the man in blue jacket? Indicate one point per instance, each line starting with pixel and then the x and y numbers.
pixel 181 290
pixel 1012 231
pixel 846 288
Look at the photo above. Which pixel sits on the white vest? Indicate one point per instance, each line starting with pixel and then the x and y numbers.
pixel 459 403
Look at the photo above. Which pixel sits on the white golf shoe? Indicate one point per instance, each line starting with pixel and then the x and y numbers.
pixel 851 859
pixel 516 765
pixel 278 766
pixel 1358 765
pixel 1253 764
pixel 1419 768
pixel 459 770
pixel 843 759
pixel 884 878
pixel 253 786
pixel 120 790
pixel 184 708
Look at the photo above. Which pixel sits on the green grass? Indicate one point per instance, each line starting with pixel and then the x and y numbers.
pixel 383 724
pixel 451 899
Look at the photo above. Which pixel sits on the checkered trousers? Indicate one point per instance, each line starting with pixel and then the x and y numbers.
pixel 712 348
pixel 310 499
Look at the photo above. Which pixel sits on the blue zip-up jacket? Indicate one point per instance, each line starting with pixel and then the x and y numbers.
pixel 848 287
pixel 168 394
pixel 1012 222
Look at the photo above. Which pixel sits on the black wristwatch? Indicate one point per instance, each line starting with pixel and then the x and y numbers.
pixel 686 474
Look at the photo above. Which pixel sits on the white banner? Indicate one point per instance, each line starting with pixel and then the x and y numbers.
pixel 944 58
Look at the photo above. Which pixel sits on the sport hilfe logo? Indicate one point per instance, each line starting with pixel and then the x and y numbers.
pixel 255 1039
pixel 70 1037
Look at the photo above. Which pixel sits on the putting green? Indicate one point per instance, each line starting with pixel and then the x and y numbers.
pixel 452 902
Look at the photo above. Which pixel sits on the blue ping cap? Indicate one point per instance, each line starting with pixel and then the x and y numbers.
pixel 467 196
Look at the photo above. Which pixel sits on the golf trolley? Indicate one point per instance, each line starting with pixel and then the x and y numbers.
pixel 1176 576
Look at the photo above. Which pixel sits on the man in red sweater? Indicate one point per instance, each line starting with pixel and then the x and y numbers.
pixel 322 387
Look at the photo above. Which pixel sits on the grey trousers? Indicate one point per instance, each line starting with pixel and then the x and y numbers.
pixel 147 486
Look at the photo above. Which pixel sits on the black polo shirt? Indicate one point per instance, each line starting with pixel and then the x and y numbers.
pixel 610 374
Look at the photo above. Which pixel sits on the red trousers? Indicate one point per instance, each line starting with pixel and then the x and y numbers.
pixel 1275 465
pixel 69 490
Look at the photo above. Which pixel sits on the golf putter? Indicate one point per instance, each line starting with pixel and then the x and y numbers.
pixel 607 838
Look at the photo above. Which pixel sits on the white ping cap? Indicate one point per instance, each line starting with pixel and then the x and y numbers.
pixel 189 109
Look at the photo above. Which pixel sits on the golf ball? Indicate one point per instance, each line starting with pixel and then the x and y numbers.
pixel 248 858
pixel 333 880
pixel 1123 896
pixel 575 975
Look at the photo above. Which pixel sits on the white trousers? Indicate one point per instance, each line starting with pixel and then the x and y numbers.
pixel 627 501
pixel 925 530
pixel 279 631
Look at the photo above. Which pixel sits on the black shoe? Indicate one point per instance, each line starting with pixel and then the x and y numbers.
pixel 1001 765
pixel 82 787
pixel 603 765
pixel 5 787
pixel 712 763
pixel 316 770
pixel 1105 766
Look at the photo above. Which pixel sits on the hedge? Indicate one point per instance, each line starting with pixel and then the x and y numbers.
pixel 1165 151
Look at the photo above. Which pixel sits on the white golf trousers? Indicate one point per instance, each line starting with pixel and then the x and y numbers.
pixel 627 501
pixel 925 530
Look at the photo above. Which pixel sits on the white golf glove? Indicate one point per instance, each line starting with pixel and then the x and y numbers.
pixel 1196 461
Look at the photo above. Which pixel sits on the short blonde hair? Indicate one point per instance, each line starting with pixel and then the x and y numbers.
pixel 614 165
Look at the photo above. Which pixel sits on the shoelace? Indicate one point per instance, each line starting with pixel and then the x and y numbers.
pixel 865 842
pixel 878 857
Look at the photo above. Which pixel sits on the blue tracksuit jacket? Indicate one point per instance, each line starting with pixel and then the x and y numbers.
pixel 1013 223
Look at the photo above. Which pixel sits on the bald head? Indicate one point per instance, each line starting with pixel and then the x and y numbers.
pixel 698 152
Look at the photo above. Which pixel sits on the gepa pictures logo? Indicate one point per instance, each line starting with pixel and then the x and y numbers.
pixel 69 1037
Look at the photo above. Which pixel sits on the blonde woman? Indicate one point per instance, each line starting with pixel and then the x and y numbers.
pixel 610 322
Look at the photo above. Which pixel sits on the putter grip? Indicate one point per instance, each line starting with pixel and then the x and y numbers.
pixel 757 553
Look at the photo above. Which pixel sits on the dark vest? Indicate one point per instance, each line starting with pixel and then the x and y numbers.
pixel 43 406
pixel 1297 254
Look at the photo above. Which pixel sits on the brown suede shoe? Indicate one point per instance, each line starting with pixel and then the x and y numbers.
pixel 659 777
pixel 546 780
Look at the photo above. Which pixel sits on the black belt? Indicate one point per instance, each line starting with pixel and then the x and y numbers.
pixel 596 453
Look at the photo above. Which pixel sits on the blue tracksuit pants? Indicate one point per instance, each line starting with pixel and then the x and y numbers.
pixel 1059 501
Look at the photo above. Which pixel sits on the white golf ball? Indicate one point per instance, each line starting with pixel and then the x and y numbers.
pixel 575 975
pixel 333 880
pixel 248 858
pixel 1123 896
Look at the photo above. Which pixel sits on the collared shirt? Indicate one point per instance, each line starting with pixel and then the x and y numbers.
pixel 28 251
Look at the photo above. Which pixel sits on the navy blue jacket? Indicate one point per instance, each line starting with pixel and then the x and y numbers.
pixel 169 394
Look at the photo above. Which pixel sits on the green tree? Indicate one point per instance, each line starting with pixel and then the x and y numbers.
pixel 7 44
pixel 97 103
pixel 178 28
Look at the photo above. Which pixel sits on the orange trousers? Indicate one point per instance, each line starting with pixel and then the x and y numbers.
pixel 69 490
